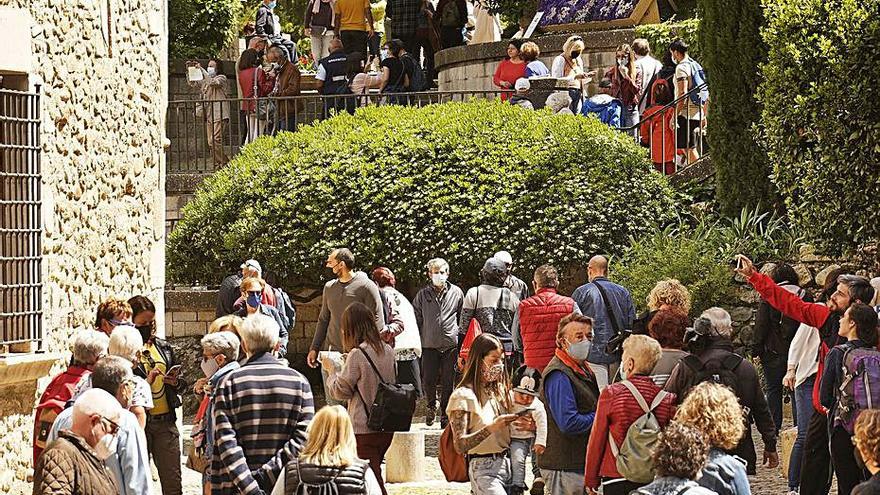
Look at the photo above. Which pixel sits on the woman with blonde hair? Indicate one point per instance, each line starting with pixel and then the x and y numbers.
pixel 714 410
pixel 570 67
pixel 328 462
pixel 667 294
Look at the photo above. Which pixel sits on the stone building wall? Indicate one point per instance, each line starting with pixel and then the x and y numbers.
pixel 101 66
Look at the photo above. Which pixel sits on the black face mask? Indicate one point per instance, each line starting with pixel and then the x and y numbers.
pixel 327 273
pixel 146 332
pixel 575 54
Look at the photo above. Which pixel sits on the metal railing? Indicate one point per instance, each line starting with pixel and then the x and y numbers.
pixel 205 134
pixel 21 311
pixel 674 133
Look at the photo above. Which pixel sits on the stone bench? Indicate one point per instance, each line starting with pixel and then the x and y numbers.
pixel 404 461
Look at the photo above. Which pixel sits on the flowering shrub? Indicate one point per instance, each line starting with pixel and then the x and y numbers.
pixel 583 11
pixel 401 185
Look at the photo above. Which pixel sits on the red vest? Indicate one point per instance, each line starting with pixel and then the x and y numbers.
pixel 539 318
pixel 58 392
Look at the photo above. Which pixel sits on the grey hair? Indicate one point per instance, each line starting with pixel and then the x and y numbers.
pixel 95 401
pixel 557 101
pixel 437 263
pixel 722 324
pixel 259 333
pixel 282 53
pixel 110 373
pixel 223 343
pixel 89 346
pixel 126 342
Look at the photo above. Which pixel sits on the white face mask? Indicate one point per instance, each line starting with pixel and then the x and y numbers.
pixel 439 279
pixel 209 367
pixel 106 446
pixel 212 71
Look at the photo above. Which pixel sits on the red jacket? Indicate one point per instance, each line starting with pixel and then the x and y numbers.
pixel 58 392
pixel 789 304
pixel 539 318
pixel 616 411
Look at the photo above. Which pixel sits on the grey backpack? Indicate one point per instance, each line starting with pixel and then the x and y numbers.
pixel 634 454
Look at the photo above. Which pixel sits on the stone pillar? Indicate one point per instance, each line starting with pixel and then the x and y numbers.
pixel 404 461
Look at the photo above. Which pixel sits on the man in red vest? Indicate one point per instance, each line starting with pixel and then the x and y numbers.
pixel 89 346
pixel 816 470
pixel 539 318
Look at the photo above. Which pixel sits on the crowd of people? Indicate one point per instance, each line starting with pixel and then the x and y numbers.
pixel 594 396
pixel 663 104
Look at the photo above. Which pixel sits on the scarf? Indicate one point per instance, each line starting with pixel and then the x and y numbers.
pixel 571 363
pixel 316 7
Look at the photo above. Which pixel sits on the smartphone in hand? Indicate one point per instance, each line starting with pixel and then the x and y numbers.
pixel 174 370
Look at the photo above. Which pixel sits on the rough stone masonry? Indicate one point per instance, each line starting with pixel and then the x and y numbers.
pixel 102 69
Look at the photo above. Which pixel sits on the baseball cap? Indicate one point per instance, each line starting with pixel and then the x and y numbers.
pixel 253 265
pixel 504 257
pixel 527 380
pixel 522 84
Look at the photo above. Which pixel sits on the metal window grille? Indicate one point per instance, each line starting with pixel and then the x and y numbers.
pixel 21 309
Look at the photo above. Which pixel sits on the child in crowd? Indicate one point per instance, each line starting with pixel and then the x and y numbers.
pixel 526 383
pixel 867 440
pixel 679 457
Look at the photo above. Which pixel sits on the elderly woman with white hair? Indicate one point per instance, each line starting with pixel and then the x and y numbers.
pixel 559 103
pixel 219 358
pixel 713 359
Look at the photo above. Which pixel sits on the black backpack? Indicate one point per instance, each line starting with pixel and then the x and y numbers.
pixel 721 371
pixel 394 404
pixel 417 79
pixel 285 307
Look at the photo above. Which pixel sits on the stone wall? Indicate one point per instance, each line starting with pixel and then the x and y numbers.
pixel 471 67
pixel 101 66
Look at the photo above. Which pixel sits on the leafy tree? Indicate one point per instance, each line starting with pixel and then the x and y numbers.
pixel 732 51
pixel 201 28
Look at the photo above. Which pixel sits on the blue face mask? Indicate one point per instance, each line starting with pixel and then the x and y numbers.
pixel 253 299
pixel 272 5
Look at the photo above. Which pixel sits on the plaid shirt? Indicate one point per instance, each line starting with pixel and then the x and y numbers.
pixel 261 411
pixel 404 16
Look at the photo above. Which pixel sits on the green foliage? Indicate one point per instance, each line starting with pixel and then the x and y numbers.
pixel 698 253
pixel 732 51
pixel 201 28
pixel 661 35
pixel 400 185
pixel 821 99
pixel 290 14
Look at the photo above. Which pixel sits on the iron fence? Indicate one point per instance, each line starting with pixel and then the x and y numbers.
pixel 205 134
pixel 20 221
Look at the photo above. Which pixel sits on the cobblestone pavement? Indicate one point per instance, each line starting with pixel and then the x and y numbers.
pixel 766 482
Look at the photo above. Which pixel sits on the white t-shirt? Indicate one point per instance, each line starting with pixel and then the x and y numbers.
pixel 563 69
pixel 685 71
pixel 464 399
pixel 649 67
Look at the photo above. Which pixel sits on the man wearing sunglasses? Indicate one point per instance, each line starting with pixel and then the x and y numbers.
pixel 128 461
pixel 74 463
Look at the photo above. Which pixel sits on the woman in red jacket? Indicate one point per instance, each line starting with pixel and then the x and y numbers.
pixel 619 407
pixel 510 69
pixel 253 83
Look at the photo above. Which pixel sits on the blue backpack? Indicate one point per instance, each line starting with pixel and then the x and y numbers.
pixel 698 75
pixel 607 113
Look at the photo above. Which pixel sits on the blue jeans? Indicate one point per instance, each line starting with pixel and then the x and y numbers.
pixel 774 372
pixel 520 448
pixel 804 402
pixel 490 475
pixel 630 117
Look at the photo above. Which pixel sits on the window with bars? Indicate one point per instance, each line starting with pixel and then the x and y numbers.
pixel 21 311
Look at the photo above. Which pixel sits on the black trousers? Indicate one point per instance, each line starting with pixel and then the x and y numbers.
pixel 408 372
pixel 816 466
pixel 843 457
pixel 774 372
pixel 438 368
pixel 451 36
pixel 354 41
pixel 622 487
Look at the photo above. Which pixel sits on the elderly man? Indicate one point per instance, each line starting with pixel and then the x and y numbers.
pixel 349 286
pixel 612 310
pixel 72 464
pixel 129 462
pixel 88 347
pixel 713 359
pixel 570 395
pixel 539 317
pixel 287 81
pixel 264 392
pixel 437 307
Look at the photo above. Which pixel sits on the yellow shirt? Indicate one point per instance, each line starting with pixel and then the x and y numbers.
pixel 351 14
pixel 160 399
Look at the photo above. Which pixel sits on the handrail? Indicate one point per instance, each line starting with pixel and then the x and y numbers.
pixel 674 103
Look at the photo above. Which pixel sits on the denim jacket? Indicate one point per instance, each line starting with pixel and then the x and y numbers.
pixel 590 302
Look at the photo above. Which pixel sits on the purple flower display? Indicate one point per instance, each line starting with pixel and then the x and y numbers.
pixel 584 11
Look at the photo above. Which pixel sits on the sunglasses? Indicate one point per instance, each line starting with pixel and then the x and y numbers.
pixel 117 323
pixel 114 427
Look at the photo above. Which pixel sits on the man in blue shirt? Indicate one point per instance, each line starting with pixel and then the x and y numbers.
pixel 591 301
pixel 129 463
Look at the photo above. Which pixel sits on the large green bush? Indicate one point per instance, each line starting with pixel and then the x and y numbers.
pixel 402 185
pixel 821 99
pixel 662 34
pixel 699 252
pixel 201 28
pixel 732 52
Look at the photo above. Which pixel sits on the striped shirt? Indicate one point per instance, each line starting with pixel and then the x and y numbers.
pixel 261 411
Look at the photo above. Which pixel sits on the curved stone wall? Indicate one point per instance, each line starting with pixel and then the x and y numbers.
pixel 471 67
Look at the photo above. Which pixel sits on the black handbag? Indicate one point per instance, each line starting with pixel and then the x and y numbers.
pixel 394 404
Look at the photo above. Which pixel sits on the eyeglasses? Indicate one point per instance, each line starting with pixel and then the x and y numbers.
pixel 114 427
